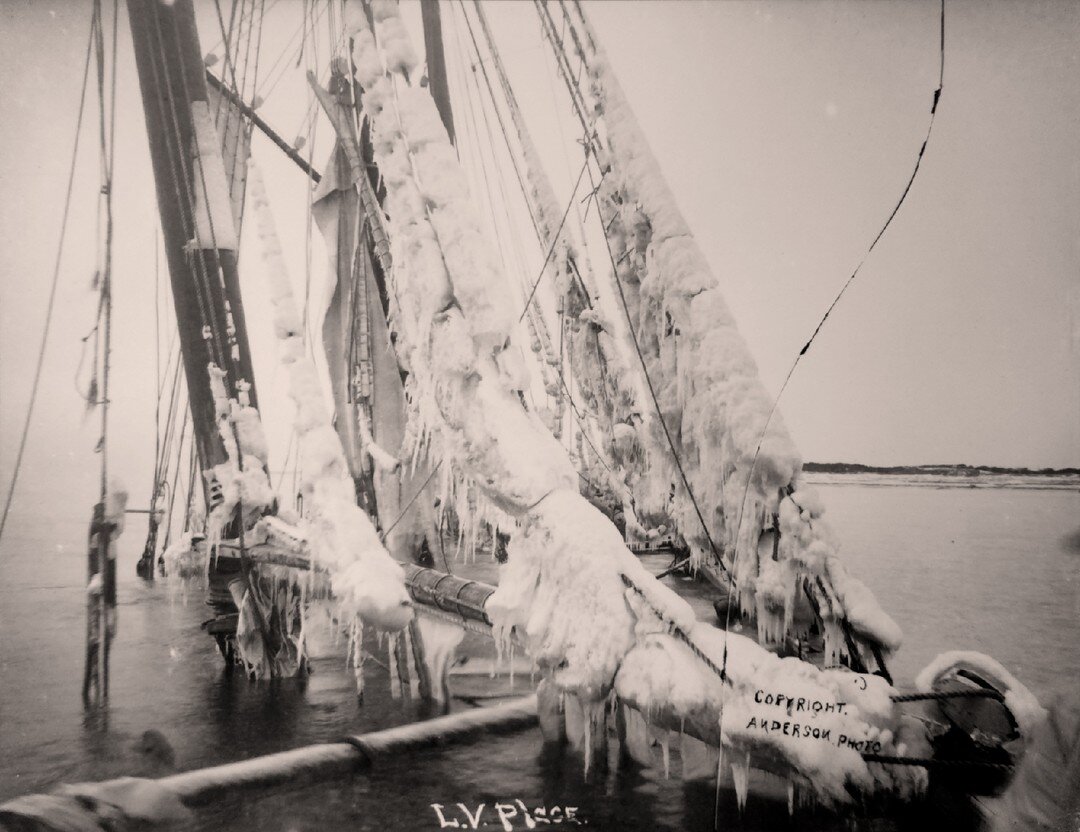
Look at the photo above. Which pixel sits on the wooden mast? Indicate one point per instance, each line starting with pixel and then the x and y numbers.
pixel 199 243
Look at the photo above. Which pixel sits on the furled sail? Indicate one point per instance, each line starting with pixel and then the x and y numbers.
pixel 368 389
pixel 367 583
pixel 742 503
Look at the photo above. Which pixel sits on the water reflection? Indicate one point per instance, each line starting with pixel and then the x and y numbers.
pixel 958 568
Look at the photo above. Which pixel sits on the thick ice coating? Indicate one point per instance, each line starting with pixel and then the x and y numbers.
pixel 712 402
pixel 1020 701
pixel 591 616
pixel 365 580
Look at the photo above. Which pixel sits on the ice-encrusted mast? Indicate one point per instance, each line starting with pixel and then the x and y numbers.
pixel 201 241
pixel 591 617
pixel 731 487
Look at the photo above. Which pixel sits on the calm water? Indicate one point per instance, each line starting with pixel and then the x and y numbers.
pixel 981 569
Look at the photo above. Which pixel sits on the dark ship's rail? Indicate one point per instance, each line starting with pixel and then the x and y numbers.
pixel 442 591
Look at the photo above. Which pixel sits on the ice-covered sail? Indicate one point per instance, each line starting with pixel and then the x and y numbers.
pixel 366 582
pixel 742 503
pixel 591 616
pixel 602 378
pixel 367 383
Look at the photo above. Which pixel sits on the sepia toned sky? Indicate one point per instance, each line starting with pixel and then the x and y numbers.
pixel 787 132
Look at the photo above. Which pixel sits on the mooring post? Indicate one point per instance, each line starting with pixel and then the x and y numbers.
pixel 100 599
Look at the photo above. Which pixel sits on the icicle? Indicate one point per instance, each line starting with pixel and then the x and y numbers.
pixel 502 641
pixel 411 670
pixel 791 797
pixel 356 653
pixel 440 639
pixel 596 730
pixel 588 739
pixel 392 663
pixel 665 749
pixel 740 774
pixel 575 720
pixel 720 763
pixel 638 743
pixel 834 641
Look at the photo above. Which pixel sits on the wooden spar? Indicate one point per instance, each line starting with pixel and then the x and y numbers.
pixel 264 128
pixel 436 65
pixel 449 593
pixel 334 759
pixel 204 277
pixel 356 752
pixel 99 601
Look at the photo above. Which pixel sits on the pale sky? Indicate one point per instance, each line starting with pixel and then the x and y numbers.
pixel 787 132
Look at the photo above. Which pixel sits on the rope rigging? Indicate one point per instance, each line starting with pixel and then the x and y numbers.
pixel 547 24
pixel 556 236
pixel 851 278
pixel 499 218
pixel 162 443
pixel 101 597
pixel 479 63
pixel 655 400
pixel 54 281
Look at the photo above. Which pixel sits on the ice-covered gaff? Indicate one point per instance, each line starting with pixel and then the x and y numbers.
pixel 714 405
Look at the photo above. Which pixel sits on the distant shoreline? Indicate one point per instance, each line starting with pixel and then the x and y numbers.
pixel 935 470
